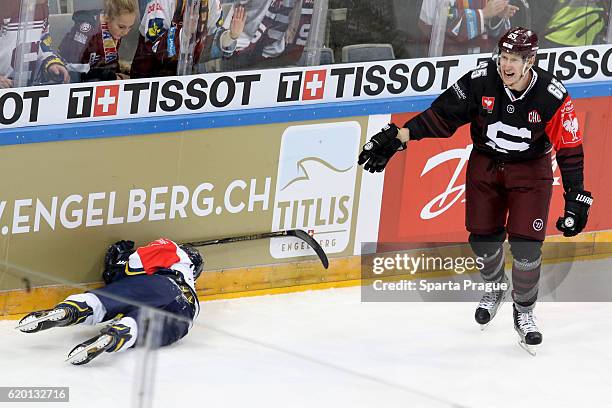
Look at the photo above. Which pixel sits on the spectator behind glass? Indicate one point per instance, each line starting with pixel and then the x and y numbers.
pixel 42 63
pixel 92 46
pixel 572 23
pixel 275 33
pixel 162 31
pixel 470 29
pixel 224 22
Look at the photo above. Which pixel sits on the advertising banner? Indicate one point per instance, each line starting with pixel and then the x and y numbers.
pixel 292 86
pixel 66 202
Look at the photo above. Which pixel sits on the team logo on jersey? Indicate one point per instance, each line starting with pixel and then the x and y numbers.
pixel 488 102
pixel 510 108
pixel 534 117
pixel 85 27
pixel 570 125
pixel 155 29
pixel 569 121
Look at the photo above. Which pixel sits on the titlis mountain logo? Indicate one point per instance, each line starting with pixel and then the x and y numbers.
pixel 315 186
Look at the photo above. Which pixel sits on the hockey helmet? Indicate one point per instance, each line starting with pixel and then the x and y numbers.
pixel 196 259
pixel 519 40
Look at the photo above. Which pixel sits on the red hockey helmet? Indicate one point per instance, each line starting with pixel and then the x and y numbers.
pixel 519 40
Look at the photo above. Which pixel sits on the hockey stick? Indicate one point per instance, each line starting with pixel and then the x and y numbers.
pixel 298 233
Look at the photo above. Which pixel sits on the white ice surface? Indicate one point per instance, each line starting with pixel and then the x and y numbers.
pixel 328 349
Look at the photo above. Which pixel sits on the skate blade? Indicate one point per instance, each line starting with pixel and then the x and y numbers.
pixel 31 324
pixel 484 326
pixel 531 349
pixel 87 353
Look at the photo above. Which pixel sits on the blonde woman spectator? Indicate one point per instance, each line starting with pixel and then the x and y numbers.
pixel 92 46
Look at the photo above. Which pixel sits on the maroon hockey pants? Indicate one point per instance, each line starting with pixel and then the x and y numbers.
pixel 511 196
pixel 514 197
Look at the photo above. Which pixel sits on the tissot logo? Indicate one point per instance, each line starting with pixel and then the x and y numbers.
pixel 107 99
pixel 79 102
pixel 291 85
pixel 104 102
pixel 314 85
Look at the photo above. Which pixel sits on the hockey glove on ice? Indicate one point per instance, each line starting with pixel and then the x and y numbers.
pixel 577 204
pixel 377 152
pixel 115 260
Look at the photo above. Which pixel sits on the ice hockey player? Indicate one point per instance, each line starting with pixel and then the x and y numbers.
pixel 159 275
pixel 517 114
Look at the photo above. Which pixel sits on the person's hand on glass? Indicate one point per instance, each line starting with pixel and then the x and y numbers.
pixel 238 21
pixel 499 8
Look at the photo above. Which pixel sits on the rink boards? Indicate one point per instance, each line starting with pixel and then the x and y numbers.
pixel 63 202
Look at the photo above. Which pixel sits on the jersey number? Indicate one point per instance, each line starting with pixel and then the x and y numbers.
pixel 481 70
pixel 557 89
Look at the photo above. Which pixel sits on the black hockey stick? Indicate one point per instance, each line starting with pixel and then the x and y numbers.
pixel 298 233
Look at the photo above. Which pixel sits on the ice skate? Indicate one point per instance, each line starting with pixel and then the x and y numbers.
pixel 64 314
pixel 111 338
pixel 489 305
pixel 529 334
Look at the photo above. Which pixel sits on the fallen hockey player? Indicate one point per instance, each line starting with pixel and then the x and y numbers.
pixel 160 275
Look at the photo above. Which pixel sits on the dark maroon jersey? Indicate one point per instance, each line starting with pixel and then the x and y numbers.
pixel 507 125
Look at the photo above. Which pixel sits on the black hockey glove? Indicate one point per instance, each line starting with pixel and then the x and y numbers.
pixel 377 152
pixel 115 260
pixel 577 204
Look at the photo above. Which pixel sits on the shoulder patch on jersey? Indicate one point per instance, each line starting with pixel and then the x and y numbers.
pixel 569 121
pixel 155 29
pixel 85 27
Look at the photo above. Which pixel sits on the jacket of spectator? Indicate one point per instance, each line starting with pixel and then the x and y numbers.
pixel 38 54
pixel 468 28
pixel 90 48
pixel 162 31
pixel 276 32
pixel 576 22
